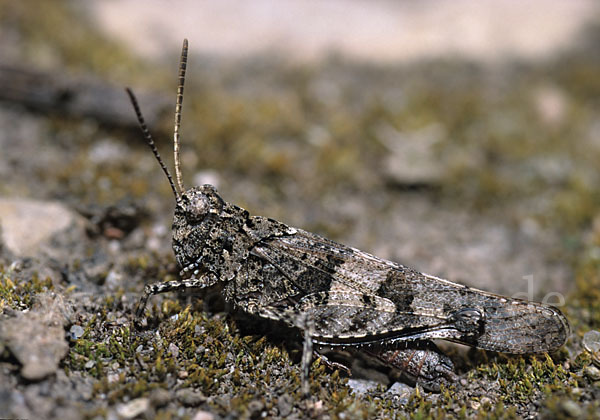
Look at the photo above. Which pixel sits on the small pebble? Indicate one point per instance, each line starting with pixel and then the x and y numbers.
pixel 173 349
pixel 591 343
pixel 315 408
pixel 255 407
pixel 133 408
pixel 203 415
pixel 190 398
pixel 362 386
pixel 89 364
pixel 576 392
pixel 592 372
pixel 160 397
pixel 113 278
pixel 400 391
pixel 284 404
pixel 571 408
pixel 76 332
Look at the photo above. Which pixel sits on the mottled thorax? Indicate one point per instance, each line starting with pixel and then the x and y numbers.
pixel 198 234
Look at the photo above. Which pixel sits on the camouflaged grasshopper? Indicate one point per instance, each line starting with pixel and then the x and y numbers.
pixel 340 297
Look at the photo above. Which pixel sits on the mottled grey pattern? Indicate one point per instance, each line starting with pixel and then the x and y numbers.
pixel 343 296
pixel 339 296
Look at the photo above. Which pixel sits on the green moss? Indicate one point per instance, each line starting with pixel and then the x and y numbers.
pixel 521 379
pixel 19 293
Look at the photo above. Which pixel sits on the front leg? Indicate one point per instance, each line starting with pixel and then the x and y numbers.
pixel 150 290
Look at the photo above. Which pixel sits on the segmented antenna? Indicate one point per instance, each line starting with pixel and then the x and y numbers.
pixel 150 141
pixel 178 106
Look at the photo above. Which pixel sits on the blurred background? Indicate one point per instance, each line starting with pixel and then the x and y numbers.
pixel 379 31
pixel 461 138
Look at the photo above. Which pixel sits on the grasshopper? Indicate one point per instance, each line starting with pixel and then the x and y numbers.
pixel 338 296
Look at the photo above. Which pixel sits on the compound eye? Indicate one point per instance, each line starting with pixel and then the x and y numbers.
pixel 197 208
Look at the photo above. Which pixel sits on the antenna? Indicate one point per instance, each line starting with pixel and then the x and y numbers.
pixel 178 106
pixel 150 141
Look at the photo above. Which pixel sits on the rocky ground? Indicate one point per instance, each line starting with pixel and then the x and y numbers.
pixel 486 175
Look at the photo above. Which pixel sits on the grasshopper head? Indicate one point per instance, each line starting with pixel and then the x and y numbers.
pixel 195 228
pixel 199 240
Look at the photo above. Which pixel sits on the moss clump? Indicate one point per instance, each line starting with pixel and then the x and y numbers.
pixel 18 293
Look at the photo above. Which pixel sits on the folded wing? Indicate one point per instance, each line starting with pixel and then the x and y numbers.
pixel 356 298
